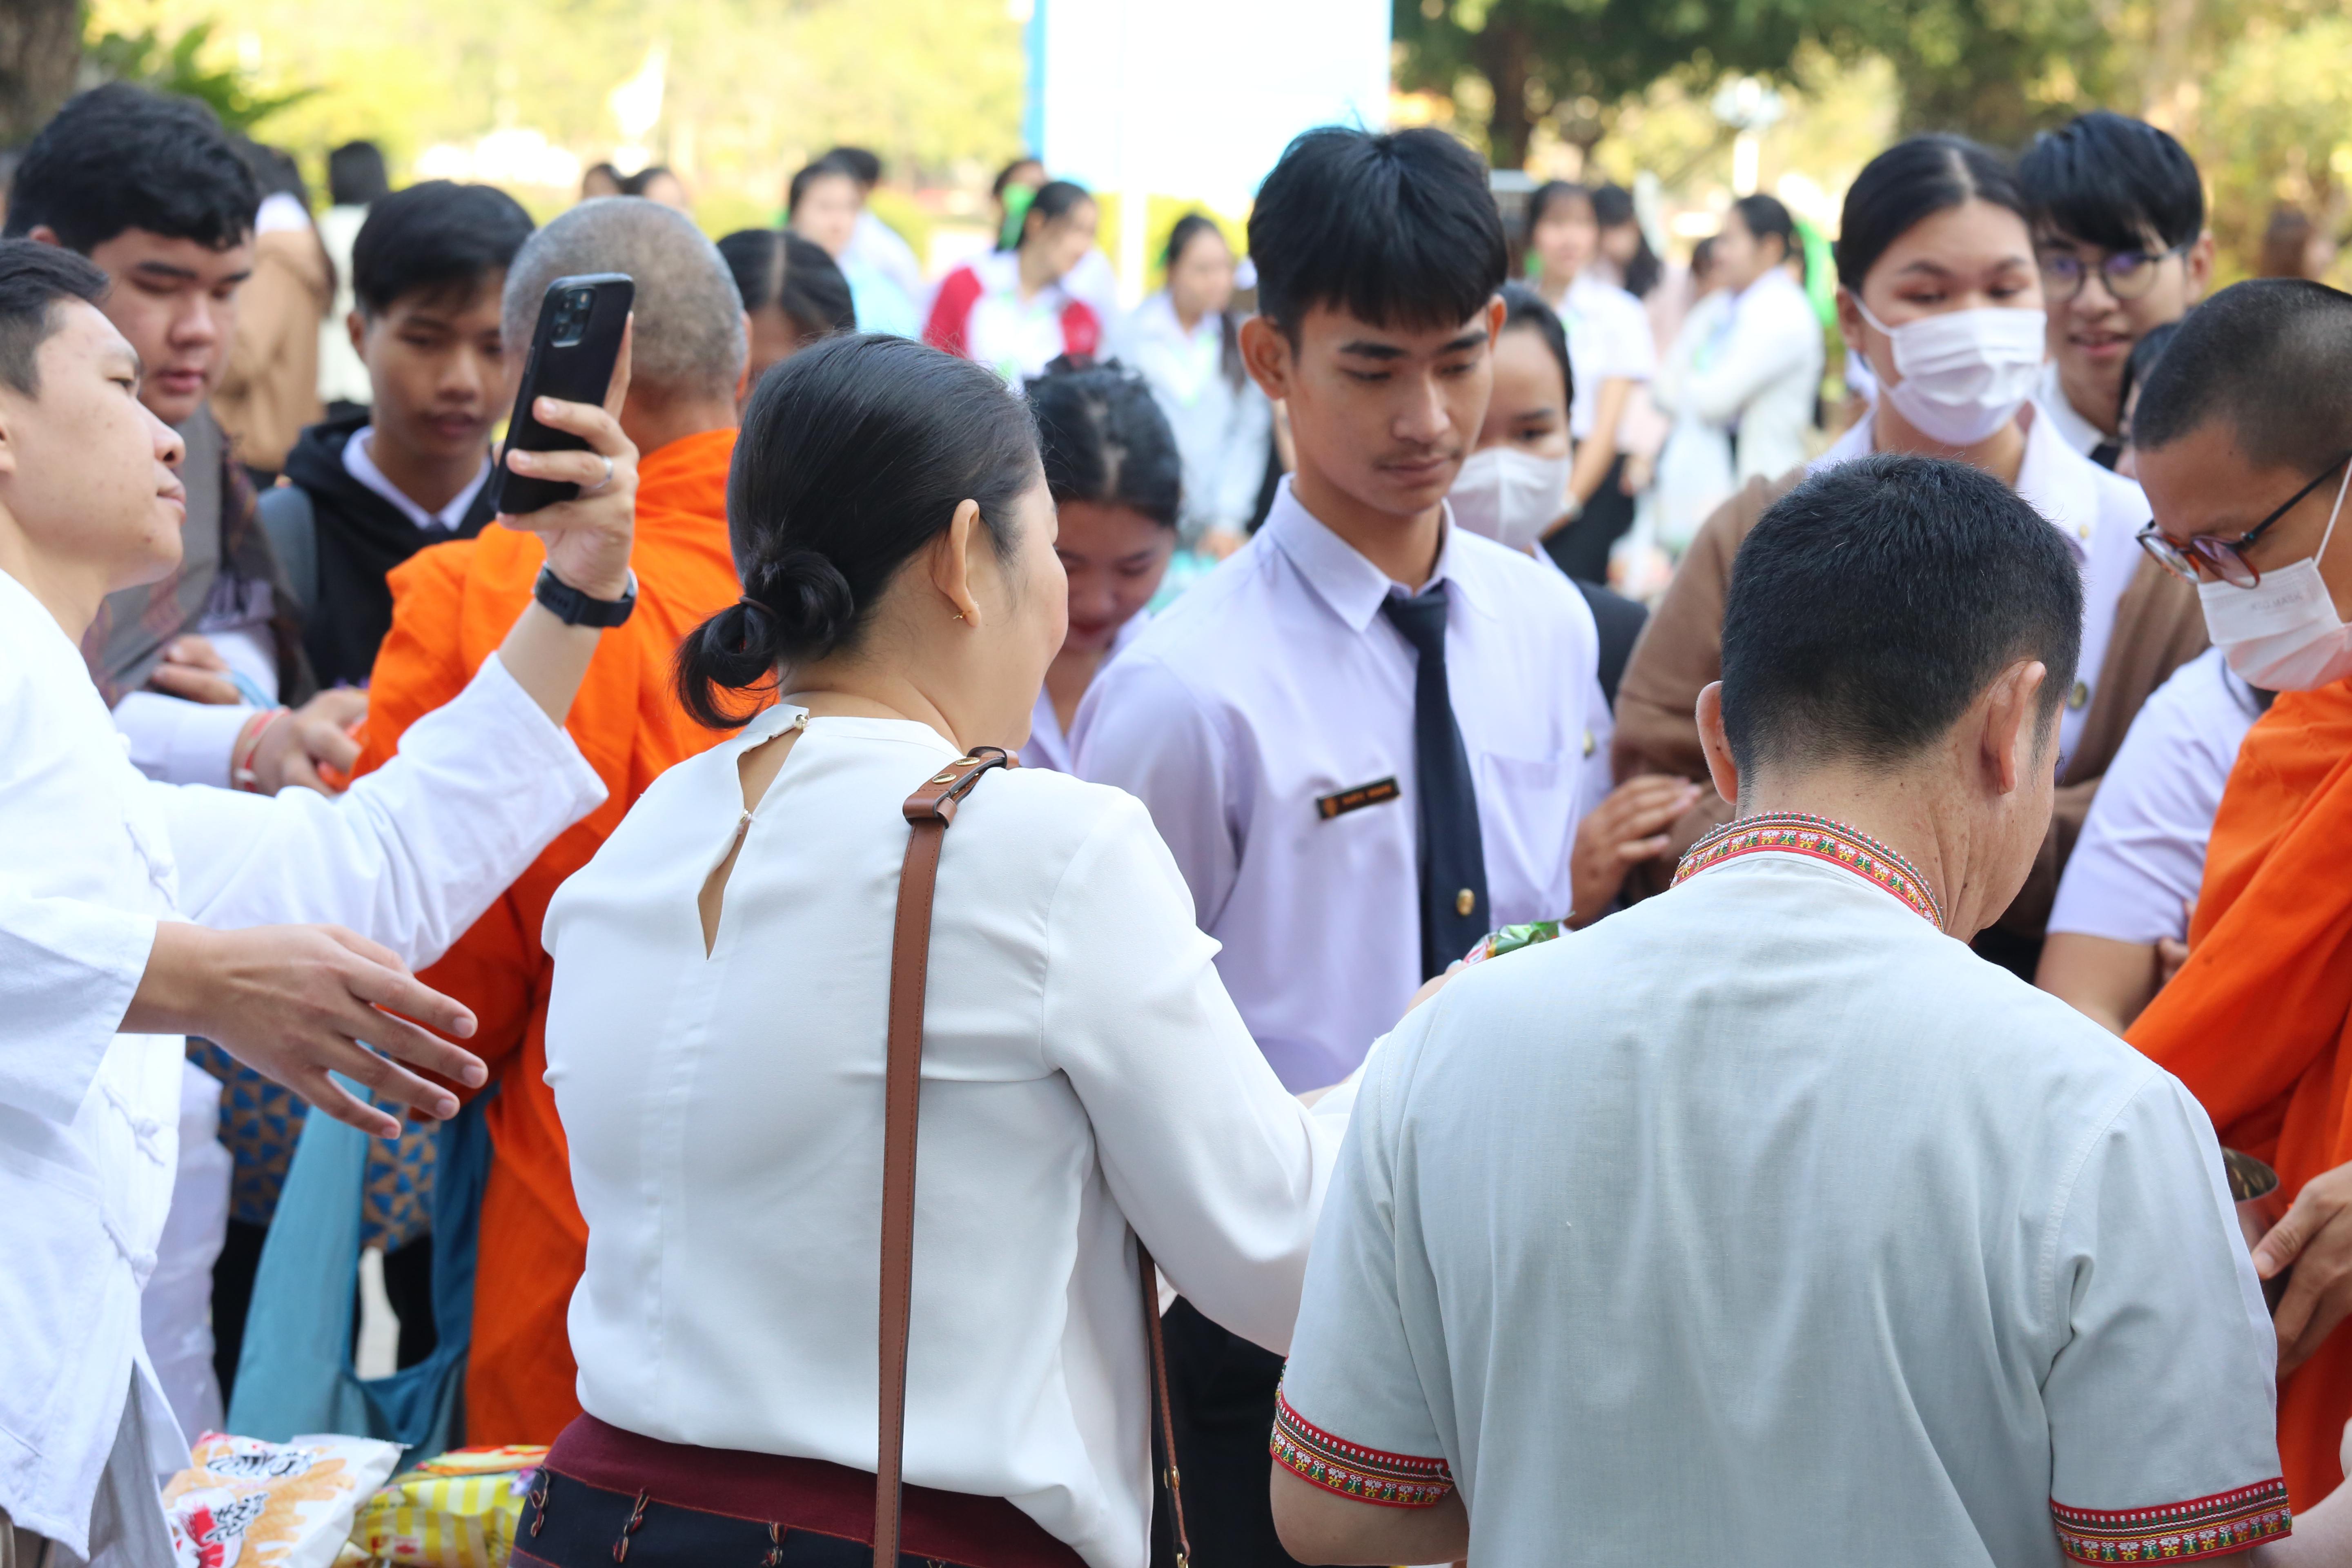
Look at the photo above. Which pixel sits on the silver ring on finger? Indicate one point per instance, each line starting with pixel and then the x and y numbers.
pixel 599 486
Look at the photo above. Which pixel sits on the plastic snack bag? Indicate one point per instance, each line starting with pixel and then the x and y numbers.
pixel 1510 938
pixel 245 1503
pixel 459 1510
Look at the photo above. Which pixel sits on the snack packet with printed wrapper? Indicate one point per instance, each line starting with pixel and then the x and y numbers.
pixel 459 1510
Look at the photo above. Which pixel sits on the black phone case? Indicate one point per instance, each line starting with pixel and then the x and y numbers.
pixel 574 371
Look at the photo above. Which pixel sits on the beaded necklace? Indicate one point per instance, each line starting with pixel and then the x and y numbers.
pixel 1818 838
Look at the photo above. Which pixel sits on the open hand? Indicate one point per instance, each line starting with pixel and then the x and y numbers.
pixel 1618 834
pixel 588 537
pixel 293 1002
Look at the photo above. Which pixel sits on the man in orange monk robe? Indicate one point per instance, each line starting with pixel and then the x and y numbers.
pixel 451 604
pixel 2245 446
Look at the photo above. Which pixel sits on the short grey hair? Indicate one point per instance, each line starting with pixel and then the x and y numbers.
pixel 689 337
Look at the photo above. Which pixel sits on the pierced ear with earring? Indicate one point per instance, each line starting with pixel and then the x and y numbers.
pixel 957 616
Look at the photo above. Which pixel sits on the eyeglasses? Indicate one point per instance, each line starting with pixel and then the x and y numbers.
pixel 2225 558
pixel 2128 274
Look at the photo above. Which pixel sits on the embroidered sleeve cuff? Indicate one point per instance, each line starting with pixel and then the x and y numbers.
pixel 2177 1532
pixel 1367 1474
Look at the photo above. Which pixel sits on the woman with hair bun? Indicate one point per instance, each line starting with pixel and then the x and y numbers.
pixel 716 1040
pixel 1116 479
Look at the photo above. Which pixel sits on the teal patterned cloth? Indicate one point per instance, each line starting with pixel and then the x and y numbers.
pixel 259 1123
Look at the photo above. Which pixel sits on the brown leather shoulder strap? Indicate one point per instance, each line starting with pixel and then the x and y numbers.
pixel 930 809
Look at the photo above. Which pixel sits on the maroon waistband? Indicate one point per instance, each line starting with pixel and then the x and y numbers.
pixel 804 1494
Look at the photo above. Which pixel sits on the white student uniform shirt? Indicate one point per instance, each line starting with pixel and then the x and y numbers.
pixel 2142 849
pixel 359 463
pixel 1759 374
pixel 1221 426
pixel 1082 1071
pixel 94 854
pixel 1608 337
pixel 1762 1222
pixel 1049 747
pixel 1276 681
pixel 2050 397
pixel 2097 513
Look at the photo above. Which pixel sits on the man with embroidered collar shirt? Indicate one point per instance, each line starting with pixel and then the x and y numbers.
pixel 1765 1218
pixel 1361 736
pixel 2119 230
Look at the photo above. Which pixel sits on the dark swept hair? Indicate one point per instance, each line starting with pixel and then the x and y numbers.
pixel 826 167
pixel 1552 191
pixel 2111 181
pixel 862 166
pixel 1103 439
pixel 35 278
pixel 356 174
pixel 1613 208
pixel 1189 227
pixel 1525 309
pixel 777 266
pixel 1054 199
pixel 1911 181
pixel 2272 356
pixel 275 171
pixel 1767 218
pixel 437 239
pixel 855 454
pixel 1875 602
pixel 1397 229
pixel 118 157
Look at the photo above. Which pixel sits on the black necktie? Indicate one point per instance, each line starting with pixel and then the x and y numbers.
pixel 1453 913
pixel 2107 452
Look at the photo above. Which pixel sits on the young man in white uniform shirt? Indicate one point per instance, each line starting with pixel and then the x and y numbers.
pixel 1353 814
pixel 121 898
pixel 1766 1222
pixel 2119 230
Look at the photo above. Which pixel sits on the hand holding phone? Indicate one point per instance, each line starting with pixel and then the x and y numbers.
pixel 587 531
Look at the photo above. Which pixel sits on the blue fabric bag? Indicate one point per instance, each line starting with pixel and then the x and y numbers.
pixel 295 1374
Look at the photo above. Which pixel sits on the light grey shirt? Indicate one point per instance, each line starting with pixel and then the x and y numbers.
pixel 1763 1222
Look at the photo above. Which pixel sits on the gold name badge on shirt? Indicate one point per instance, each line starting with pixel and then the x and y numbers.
pixel 1339 802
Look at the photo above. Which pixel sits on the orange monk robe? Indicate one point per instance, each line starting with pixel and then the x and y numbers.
pixel 2255 1022
pixel 453 605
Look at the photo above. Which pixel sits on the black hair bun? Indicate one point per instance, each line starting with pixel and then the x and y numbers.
pixel 807 603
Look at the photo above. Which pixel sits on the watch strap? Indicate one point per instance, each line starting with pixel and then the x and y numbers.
pixel 575 608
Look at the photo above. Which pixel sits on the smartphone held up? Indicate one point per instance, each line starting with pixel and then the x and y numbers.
pixel 573 347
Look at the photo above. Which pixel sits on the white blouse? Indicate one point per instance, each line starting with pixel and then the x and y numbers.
pixel 1084 1071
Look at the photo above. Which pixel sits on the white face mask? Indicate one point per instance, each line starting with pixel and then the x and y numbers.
pixel 1965 373
pixel 1509 495
pixel 2283 634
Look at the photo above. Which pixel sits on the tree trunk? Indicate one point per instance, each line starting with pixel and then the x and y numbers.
pixel 41 47
pixel 1506 59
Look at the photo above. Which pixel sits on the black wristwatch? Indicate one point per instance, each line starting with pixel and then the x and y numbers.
pixel 575 608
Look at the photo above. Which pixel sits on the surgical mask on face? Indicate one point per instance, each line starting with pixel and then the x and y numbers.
pixel 2283 634
pixel 1965 373
pixel 1509 495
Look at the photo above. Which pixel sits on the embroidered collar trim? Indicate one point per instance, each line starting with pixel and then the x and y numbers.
pixel 1818 838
